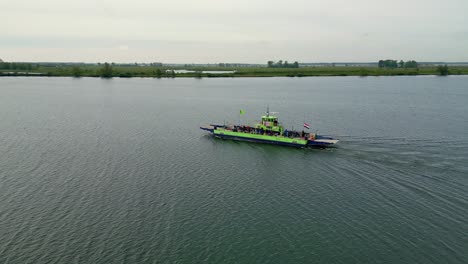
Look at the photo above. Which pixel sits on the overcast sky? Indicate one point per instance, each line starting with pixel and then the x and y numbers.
pixel 251 31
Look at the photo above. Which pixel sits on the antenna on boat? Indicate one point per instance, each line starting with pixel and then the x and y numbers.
pixel 268 110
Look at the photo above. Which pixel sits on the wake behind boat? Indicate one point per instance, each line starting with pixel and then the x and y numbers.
pixel 271 132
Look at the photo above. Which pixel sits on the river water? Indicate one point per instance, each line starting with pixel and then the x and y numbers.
pixel 117 171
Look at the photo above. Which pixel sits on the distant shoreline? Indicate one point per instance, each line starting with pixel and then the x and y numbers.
pixel 216 72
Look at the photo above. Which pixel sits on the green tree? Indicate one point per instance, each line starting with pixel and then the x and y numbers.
pixel 296 64
pixel 443 70
pixel 381 64
pixel 411 64
pixel 106 71
pixel 158 73
pixel 388 64
pixel 270 64
pixel 401 64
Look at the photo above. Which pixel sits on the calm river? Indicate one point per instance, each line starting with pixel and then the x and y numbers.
pixel 118 171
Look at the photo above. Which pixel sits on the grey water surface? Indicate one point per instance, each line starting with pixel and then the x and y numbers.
pixel 118 171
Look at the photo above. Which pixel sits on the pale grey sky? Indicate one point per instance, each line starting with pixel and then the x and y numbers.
pixel 251 31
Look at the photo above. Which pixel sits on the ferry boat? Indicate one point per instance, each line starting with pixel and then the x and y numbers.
pixel 271 132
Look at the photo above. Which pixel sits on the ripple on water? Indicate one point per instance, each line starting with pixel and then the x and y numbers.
pixel 105 171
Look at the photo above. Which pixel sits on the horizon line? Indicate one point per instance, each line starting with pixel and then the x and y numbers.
pixel 217 63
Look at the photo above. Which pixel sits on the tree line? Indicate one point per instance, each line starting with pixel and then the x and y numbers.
pixel 394 64
pixel 443 70
pixel 281 64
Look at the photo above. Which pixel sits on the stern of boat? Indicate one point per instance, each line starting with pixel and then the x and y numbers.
pixel 322 141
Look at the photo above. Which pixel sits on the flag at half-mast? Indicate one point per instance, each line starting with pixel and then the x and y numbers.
pixel 306 125
pixel 241 112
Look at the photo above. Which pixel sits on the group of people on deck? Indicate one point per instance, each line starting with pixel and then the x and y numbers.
pixel 253 130
pixel 294 134
pixel 261 131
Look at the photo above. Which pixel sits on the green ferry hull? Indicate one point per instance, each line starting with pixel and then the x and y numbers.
pixel 276 140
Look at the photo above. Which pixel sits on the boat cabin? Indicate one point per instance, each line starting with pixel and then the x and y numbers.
pixel 270 123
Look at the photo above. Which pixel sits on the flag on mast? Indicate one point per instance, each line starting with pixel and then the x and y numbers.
pixel 241 112
pixel 306 125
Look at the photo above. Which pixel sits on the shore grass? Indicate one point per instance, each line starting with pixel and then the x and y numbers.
pixel 165 72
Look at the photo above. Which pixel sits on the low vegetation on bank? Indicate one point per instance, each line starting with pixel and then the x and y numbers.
pixel 109 70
